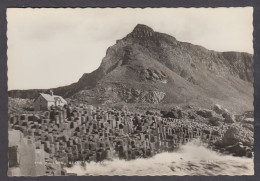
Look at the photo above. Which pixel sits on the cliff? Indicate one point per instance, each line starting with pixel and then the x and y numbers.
pixel 155 68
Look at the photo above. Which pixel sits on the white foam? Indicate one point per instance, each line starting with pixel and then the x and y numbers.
pixel 191 159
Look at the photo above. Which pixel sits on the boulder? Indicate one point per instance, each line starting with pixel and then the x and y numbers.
pixel 152 112
pixel 205 113
pixel 237 133
pixel 171 114
pixel 237 149
pixel 247 116
pixel 229 118
pixel 217 108
pixel 248 126
pixel 175 112
pixel 248 120
pixel 215 121
pixel 191 115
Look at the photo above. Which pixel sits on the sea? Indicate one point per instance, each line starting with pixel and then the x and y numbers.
pixel 191 159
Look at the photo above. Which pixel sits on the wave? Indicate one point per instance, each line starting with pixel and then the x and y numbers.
pixel 191 159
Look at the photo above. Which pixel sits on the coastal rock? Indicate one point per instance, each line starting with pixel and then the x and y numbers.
pixel 238 140
pixel 237 133
pixel 248 120
pixel 239 150
pixel 175 113
pixel 218 109
pixel 229 118
pixel 215 121
pixel 249 126
pixel 205 113
pixel 247 116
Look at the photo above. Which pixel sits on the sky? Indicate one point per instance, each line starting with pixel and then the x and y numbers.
pixel 48 48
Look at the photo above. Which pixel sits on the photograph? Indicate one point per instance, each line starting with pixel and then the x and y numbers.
pixel 130 91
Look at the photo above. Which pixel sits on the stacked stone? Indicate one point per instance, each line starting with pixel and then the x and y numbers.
pixel 86 133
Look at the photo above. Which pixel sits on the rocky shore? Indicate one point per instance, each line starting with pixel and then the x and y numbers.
pixel 83 133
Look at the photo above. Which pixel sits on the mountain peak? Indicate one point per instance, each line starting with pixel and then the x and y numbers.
pixel 141 30
pixel 142 27
pixel 149 67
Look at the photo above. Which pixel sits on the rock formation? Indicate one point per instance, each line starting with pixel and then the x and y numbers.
pixel 238 139
pixel 151 67
pixel 236 134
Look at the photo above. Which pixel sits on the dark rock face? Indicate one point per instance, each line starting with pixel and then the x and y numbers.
pixel 142 31
pixel 238 140
pixel 215 121
pixel 229 118
pixel 236 134
pixel 140 96
pixel 121 93
pixel 239 150
pixel 247 116
pixel 218 109
pixel 205 113
pixel 248 121
pixel 155 75
pixel 240 64
pixel 159 69
pixel 175 113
